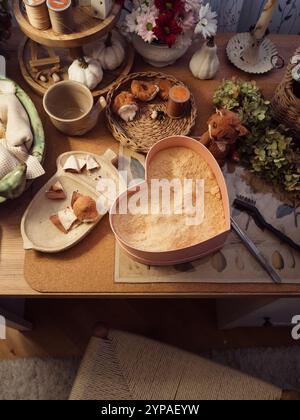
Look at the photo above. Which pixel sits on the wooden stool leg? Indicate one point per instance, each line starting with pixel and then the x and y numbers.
pixel 290 396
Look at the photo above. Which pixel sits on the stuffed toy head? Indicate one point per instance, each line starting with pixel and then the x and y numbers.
pixel 226 126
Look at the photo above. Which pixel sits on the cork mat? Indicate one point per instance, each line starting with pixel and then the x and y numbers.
pixel 80 268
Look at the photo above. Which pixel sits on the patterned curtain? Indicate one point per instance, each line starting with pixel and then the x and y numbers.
pixel 229 13
pixel 240 15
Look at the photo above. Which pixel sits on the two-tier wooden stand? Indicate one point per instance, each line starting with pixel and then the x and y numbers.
pixel 45 49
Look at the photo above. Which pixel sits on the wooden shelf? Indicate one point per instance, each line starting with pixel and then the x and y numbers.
pixel 109 79
pixel 88 28
pixel 66 48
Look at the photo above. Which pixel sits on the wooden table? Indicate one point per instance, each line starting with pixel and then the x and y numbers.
pixel 12 282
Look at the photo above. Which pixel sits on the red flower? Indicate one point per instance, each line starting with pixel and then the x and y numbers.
pixel 165 6
pixel 167 29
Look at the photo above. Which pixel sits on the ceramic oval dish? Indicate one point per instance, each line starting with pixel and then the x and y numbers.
pixel 38 147
pixel 37 230
pixel 188 254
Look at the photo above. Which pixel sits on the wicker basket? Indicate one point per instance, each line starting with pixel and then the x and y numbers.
pixel 285 104
pixel 142 133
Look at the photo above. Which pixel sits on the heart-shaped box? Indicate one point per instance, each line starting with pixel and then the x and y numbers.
pixel 191 253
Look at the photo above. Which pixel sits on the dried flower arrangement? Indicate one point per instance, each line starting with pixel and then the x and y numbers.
pixel 170 21
pixel 268 150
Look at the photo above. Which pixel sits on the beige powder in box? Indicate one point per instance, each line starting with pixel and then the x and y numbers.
pixel 159 233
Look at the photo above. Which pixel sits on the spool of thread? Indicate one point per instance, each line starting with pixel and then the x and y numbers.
pixel 179 101
pixel 37 13
pixel 61 16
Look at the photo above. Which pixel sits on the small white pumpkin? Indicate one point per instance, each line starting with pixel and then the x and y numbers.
pixel 87 71
pixel 109 52
pixel 205 62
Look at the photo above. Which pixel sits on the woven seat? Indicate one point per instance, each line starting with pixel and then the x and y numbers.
pixel 128 367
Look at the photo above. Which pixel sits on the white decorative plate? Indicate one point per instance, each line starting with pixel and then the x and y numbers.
pixel 263 59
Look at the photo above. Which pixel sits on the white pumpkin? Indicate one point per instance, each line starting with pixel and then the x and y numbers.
pixel 205 62
pixel 87 71
pixel 109 52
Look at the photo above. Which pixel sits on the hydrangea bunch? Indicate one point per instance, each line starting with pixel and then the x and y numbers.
pixel 268 150
pixel 245 98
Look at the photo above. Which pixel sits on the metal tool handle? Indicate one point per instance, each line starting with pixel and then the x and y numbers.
pixel 256 252
pixel 280 235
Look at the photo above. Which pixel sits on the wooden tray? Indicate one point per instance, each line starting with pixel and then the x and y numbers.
pixel 109 79
pixel 88 28
pixel 142 133
pixel 37 231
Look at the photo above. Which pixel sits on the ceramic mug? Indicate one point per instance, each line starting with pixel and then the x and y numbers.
pixel 70 106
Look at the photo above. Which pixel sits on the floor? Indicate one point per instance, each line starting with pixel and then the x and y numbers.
pixel 62 328
pixel 44 379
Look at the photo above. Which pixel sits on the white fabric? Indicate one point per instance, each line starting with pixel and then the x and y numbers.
pixel 8 162
pixel 15 156
pixel 6 86
pixel 15 118
pixel 14 149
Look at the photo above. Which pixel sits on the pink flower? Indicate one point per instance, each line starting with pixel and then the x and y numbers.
pixel 188 21
pixel 146 22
